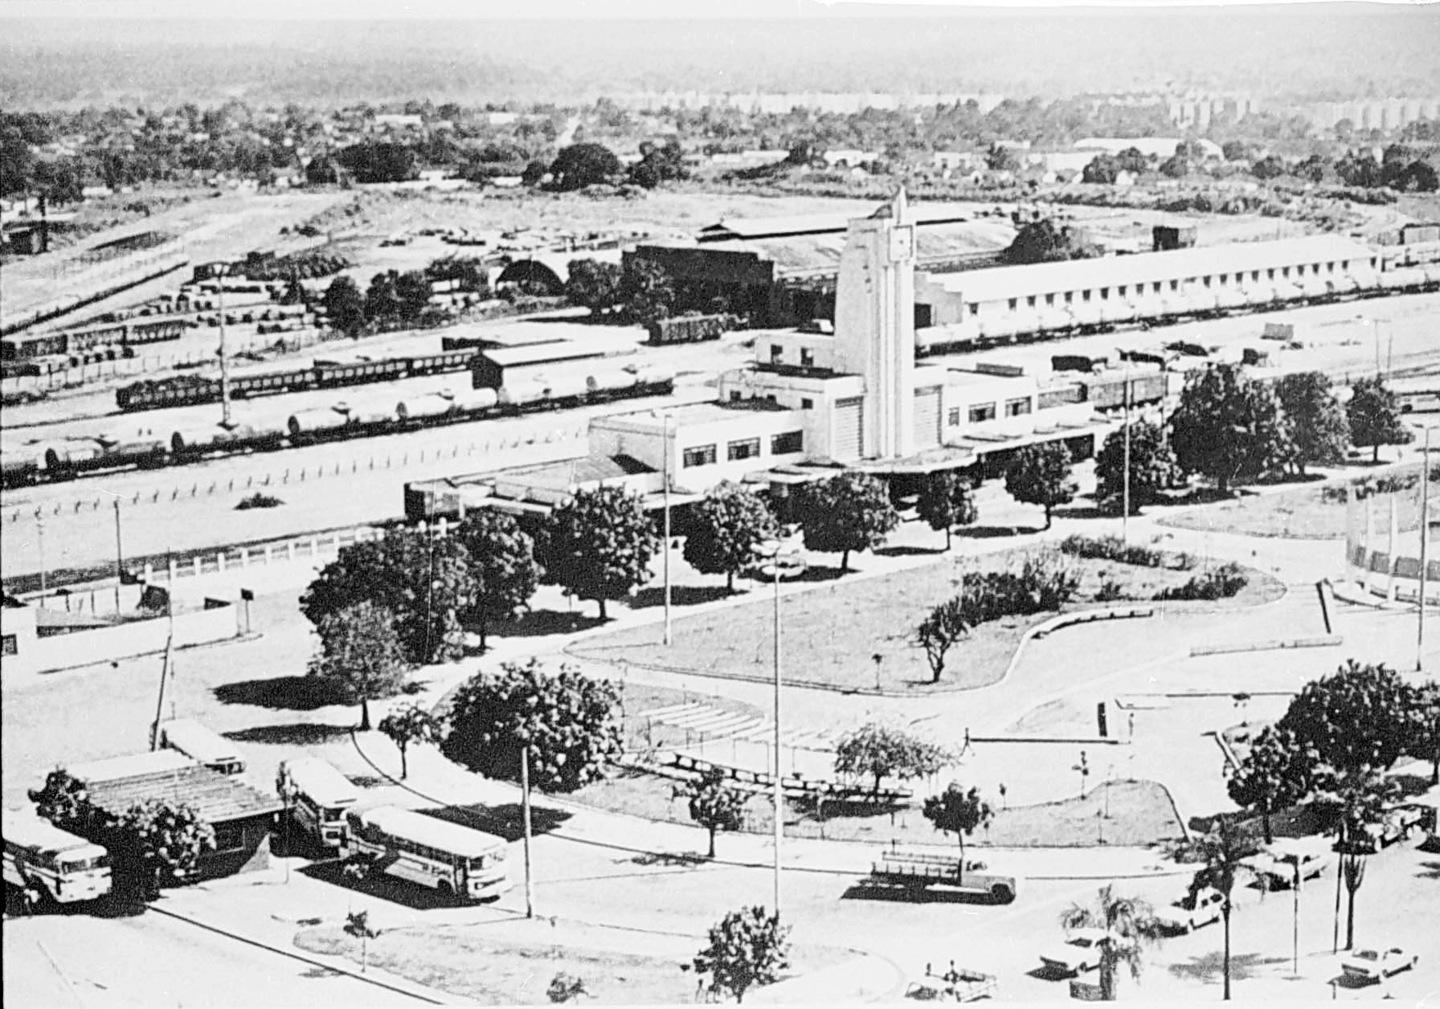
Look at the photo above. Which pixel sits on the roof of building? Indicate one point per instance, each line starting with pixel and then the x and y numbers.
pixel 811 224
pixel 1160 147
pixel 575 472
pixel 118 783
pixel 539 353
pixel 802 254
pixel 697 413
pixel 1089 274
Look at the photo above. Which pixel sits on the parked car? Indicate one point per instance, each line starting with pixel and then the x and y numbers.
pixel 1079 952
pixel 1374 964
pixel 1279 874
pixel 1192 912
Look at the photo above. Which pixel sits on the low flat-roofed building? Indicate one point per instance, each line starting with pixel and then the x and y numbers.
pixel 240 815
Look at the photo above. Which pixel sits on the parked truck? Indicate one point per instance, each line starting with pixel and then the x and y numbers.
pixel 922 870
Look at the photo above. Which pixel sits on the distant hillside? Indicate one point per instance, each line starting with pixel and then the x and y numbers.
pixel 1300 51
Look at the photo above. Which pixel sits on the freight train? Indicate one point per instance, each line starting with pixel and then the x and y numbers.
pixel 41 353
pixel 70 459
pixel 188 390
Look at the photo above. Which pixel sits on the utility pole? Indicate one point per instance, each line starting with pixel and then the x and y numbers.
pixel 779 791
pixel 1125 494
pixel 225 421
pixel 525 808
pixel 40 536
pixel 1424 550
pixel 665 453
pixel 119 557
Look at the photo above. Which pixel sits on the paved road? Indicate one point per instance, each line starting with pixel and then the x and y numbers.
pixel 74 961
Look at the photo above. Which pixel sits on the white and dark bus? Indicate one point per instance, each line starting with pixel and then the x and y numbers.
pixel 461 863
pixel 201 745
pixel 40 855
pixel 321 798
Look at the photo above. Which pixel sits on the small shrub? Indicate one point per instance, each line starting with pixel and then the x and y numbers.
pixel 1109 591
pixel 1113 548
pixel 1221 583
pixel 1184 561
pixel 258 500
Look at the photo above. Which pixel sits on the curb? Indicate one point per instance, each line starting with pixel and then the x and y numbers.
pixel 1320 641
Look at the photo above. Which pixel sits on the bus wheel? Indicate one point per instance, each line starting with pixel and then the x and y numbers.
pixel 1001 894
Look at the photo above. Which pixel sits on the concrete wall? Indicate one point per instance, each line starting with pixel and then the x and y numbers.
pixel 109 644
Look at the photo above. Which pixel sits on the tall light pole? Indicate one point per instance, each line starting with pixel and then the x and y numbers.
pixel 525 812
pixel 787 562
pixel 224 358
pixel 40 537
pixel 665 462
pixel 1424 549
pixel 1125 493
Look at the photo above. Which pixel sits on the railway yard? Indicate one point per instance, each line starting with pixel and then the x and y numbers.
pixel 623 893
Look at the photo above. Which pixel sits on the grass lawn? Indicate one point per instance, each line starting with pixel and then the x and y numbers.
pixel 482 964
pixel 1140 812
pixel 832 634
pixel 1308 511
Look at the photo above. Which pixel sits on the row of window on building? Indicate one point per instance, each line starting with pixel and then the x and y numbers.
pixel 979 413
pixel 1157 287
pixel 785 443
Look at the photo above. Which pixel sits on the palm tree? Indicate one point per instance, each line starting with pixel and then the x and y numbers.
pixel 1221 853
pixel 1128 923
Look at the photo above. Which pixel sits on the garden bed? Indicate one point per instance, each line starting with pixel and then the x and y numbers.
pixel 837 635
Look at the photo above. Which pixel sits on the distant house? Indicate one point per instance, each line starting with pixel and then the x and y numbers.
pixel 399 122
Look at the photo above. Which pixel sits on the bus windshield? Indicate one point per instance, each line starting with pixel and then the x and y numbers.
pixel 331 814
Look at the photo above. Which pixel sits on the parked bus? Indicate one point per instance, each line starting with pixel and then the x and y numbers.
pixel 201 745
pixel 41 855
pixel 461 863
pixel 322 795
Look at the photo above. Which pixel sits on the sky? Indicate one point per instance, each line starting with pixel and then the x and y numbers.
pixel 265 10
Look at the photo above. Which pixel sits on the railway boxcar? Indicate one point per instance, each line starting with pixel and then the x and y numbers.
pixel 441 364
pixel 336 374
pixel 270 384
pixel 154 332
pixel 33 345
pixel 1107 391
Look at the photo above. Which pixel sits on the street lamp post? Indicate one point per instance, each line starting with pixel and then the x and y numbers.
pixel 665 454
pixel 1424 550
pixel 780 561
pixel 1125 493
pixel 40 535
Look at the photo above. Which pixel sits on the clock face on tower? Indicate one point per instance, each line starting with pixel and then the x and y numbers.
pixel 902 243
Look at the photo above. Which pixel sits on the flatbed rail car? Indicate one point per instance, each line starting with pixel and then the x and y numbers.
pixel 73 458
pixel 921 870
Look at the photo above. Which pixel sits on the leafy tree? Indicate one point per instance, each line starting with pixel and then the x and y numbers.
pixel 382 299
pixel 880 751
pixel 425 580
pixel 593 285
pixel 1318 429
pixel 386 161
pixel 1102 169
pixel 534 173
pixel 946 501
pixel 581 165
pixel 848 512
pixel 730 524
pixel 716 805
pixel 1237 150
pixel 502 565
pixel 945 625
pixel 1128 924
pixel 1355 718
pixel 645 174
pixel 1001 158
pixel 64 800
pixel 1374 415
pixel 1221 853
pixel 646 290
pixel 1044 242
pixel 956 811
pixel 566 720
pixel 1152 466
pixel 1268 167
pixel 1359 170
pixel 344 306
pixel 412 294
pixel 1424 729
pixel 747 948
pixel 16 160
pixel 1040 475
pixel 1275 773
pixel 163 840
pixel 409 723
pixel 599 544
pixel 357 926
pixel 1131 159
pixel 360 655
pixel 1228 428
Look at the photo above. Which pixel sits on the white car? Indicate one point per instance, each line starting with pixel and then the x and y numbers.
pixel 1189 914
pixel 1374 964
pixel 1279 873
pixel 1079 953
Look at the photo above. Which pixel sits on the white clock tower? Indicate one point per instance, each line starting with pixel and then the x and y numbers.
pixel 875 325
